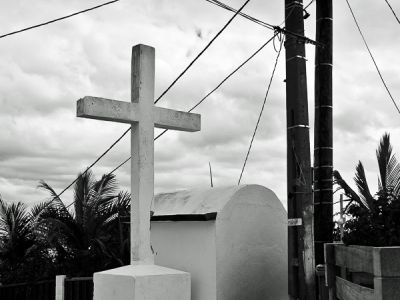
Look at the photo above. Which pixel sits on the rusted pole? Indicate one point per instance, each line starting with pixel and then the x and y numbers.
pixel 300 206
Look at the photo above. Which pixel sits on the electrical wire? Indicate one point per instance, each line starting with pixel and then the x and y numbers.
pixel 311 2
pixel 201 52
pixel 267 25
pixel 211 92
pixel 56 20
pixel 227 7
pixel 169 87
pixel 292 9
pixel 261 111
pixel 372 57
pixel 277 29
pixel 87 169
pixel 394 13
pixel 195 106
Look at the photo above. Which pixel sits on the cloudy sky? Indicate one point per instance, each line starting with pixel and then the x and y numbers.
pixel 43 72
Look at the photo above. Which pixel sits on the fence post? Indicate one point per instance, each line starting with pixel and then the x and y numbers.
pixel 330 274
pixel 322 288
pixel 386 272
pixel 60 287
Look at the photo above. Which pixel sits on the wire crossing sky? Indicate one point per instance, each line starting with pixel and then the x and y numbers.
pixel 201 101
pixel 394 13
pixel 261 111
pixel 208 94
pixel 58 19
pixel 372 57
pixel 44 73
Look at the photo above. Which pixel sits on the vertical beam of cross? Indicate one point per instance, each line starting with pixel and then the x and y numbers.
pixel 142 149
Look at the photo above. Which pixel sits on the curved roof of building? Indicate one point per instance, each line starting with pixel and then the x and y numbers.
pixel 196 205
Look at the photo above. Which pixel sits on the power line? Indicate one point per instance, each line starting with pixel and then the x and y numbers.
pixel 169 87
pixel 227 7
pixel 311 2
pixel 201 52
pixel 394 13
pixel 233 72
pixel 267 25
pixel 58 19
pixel 163 132
pixel 88 168
pixel 261 112
pixel 372 57
pixel 196 105
pixel 208 94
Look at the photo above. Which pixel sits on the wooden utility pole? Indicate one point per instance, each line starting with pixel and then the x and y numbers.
pixel 323 151
pixel 299 178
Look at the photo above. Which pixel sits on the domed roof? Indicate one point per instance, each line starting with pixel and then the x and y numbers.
pixel 198 204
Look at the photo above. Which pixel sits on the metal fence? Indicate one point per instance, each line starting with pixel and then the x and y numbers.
pixel 79 288
pixel 40 290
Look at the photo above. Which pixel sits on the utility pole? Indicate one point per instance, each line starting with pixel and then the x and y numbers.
pixel 323 150
pixel 301 270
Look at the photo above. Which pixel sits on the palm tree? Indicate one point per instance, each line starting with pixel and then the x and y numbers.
pixel 388 179
pixel 22 255
pixel 84 238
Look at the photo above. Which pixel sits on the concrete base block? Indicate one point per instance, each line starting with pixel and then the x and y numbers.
pixel 141 282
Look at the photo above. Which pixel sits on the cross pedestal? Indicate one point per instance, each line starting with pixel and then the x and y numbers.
pixel 141 279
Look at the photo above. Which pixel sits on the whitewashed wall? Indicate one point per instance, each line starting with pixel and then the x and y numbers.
pixel 190 247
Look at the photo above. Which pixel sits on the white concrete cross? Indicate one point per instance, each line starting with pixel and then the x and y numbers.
pixel 143 117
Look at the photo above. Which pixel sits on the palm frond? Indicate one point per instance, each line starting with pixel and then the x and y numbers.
pixel 39 208
pixel 81 194
pixel 383 155
pixel 393 176
pixel 45 186
pixel 348 191
pixel 16 232
pixel 107 185
pixel 362 185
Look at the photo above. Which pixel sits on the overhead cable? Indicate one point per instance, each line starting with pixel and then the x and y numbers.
pixel 267 25
pixel 58 19
pixel 372 57
pixel 211 92
pixel 87 169
pixel 201 52
pixel 394 13
pixel 308 5
pixel 169 87
pixel 261 112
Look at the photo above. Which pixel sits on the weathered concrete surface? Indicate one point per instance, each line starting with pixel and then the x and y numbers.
pixel 198 201
pixel 141 282
pixel 126 112
pixel 242 254
pixel 143 117
pixel 60 287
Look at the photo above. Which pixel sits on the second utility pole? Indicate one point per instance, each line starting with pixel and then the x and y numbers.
pixel 299 198
pixel 323 134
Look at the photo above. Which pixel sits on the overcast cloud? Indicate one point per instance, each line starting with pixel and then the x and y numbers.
pixel 43 72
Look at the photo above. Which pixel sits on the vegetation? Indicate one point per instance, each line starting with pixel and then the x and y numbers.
pixel 22 255
pixel 53 239
pixel 375 220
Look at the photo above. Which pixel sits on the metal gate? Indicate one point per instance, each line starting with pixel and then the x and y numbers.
pixel 40 290
pixel 79 288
